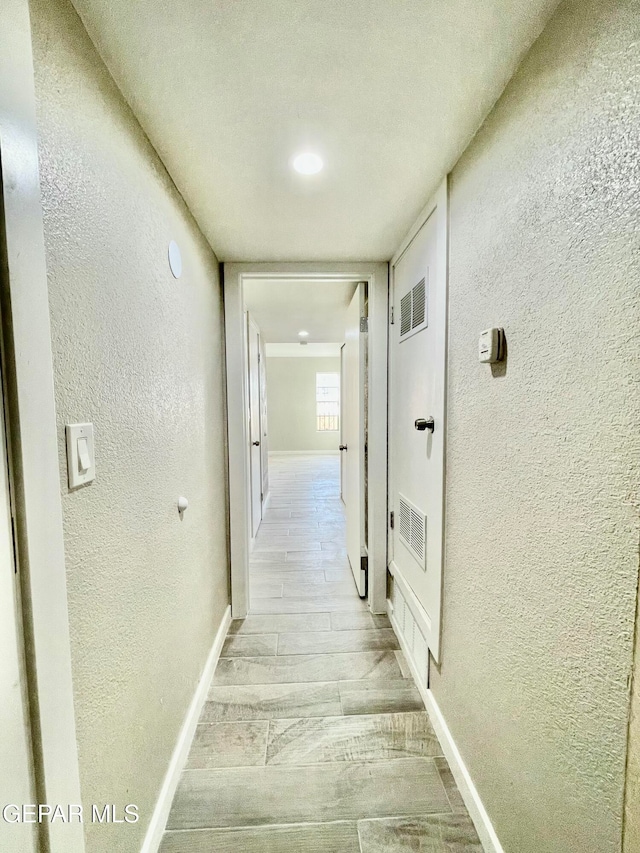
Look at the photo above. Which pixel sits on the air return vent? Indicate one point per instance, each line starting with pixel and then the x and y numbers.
pixel 414 310
pixel 405 314
pixel 412 529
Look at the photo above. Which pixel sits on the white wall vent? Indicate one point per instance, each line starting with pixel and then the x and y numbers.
pixel 414 309
pixel 412 529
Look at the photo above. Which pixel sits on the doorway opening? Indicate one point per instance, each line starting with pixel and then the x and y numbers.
pixel 301 518
pixel 301 340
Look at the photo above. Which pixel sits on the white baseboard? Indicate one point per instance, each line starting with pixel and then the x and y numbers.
pixel 160 814
pixel 470 795
pixel 468 791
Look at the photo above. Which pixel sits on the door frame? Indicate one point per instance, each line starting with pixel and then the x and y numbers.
pixel 377 277
pixel 342 458
pixel 18 786
pixel 358 567
pixel 33 437
pixel 253 328
pixel 439 203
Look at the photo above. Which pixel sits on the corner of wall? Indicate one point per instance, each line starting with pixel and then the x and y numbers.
pixel 631 824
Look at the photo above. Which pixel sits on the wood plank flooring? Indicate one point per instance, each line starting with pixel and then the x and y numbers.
pixel 314 738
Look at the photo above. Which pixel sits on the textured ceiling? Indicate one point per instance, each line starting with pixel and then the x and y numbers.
pixel 389 92
pixel 308 351
pixel 282 307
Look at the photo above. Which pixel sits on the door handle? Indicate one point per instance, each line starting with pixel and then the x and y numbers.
pixel 342 447
pixel 422 424
pixel 256 444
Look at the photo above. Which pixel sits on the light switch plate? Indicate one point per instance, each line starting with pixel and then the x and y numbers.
pixel 491 346
pixel 81 460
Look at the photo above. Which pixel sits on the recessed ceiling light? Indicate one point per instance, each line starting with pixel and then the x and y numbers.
pixel 303 334
pixel 308 163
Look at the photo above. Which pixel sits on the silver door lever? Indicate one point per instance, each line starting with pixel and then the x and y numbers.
pixel 422 424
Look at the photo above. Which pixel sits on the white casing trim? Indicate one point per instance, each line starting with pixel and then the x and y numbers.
pixel 155 831
pixel 33 435
pixel 468 791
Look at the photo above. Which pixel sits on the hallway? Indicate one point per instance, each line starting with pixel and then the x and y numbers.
pixel 235 236
pixel 312 680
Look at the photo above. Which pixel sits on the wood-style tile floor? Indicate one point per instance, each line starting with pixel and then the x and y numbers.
pixel 314 738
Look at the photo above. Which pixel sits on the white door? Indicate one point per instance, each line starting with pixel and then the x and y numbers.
pixel 255 455
pixel 353 436
pixel 264 443
pixel 343 457
pixel 15 754
pixel 417 412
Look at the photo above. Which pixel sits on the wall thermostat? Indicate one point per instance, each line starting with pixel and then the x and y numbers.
pixel 491 346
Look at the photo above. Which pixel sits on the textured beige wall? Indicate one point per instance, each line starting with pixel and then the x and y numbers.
pixel 291 404
pixel 542 469
pixel 632 803
pixel 139 354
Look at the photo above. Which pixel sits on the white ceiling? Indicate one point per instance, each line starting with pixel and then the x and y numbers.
pixel 284 307
pixel 389 92
pixel 308 351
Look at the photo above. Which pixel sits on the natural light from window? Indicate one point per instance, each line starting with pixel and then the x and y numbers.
pixel 328 402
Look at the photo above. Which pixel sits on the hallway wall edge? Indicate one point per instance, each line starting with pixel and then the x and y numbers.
pixel 468 791
pixel 155 830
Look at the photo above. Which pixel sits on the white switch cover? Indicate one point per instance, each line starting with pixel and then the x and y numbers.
pixel 81 461
pixel 491 346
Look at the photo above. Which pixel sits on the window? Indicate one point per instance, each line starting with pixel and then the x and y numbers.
pixel 327 402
